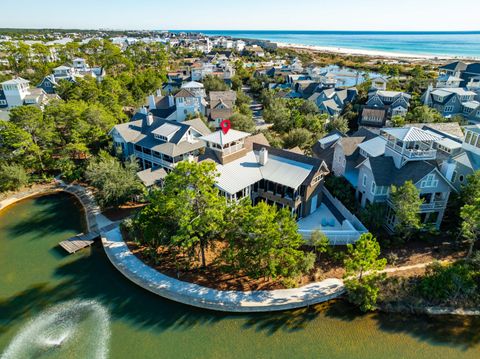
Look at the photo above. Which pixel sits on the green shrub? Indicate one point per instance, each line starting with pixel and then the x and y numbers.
pixel 12 177
pixel 447 282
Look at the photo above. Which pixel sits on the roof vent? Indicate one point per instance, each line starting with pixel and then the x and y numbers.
pixel 149 119
pixel 263 156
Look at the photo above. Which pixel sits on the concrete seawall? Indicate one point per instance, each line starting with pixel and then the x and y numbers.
pixel 227 301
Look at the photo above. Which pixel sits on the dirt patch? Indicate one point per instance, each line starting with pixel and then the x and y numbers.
pixel 326 266
pixel 418 252
pixel 214 277
pixel 122 212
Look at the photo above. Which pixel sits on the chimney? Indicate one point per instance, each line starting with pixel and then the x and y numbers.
pixel 151 102
pixel 149 119
pixel 143 110
pixel 263 156
pixel 171 101
pixel 159 92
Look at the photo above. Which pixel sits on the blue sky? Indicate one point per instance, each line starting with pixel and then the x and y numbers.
pixel 244 14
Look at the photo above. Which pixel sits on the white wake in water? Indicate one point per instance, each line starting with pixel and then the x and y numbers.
pixel 73 329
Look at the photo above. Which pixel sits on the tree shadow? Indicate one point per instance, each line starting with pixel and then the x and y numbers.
pixel 54 218
pixel 460 331
pixel 93 277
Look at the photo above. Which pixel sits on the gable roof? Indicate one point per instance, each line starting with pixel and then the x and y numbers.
pixel 454 66
pixel 386 173
pixel 184 93
pixel 219 138
pixel 225 96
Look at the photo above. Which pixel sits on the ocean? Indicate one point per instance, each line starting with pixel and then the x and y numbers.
pixel 454 44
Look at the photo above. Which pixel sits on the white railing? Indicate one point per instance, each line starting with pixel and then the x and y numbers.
pixel 345 212
pixel 232 149
pixel 153 159
pixel 433 205
pixel 413 153
pixel 335 237
pixel 420 153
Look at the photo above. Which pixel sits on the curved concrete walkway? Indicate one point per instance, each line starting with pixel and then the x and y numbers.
pixel 228 301
pixel 188 293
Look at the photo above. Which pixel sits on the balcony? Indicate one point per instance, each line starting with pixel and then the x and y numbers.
pixel 422 152
pixel 232 149
pixel 432 206
pixel 154 159
pixel 427 207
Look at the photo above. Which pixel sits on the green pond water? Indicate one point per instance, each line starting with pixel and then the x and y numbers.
pixel 78 306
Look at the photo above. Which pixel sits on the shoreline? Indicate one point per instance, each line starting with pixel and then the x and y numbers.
pixel 196 295
pixel 373 53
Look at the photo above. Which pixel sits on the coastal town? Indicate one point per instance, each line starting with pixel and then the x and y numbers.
pixel 238 165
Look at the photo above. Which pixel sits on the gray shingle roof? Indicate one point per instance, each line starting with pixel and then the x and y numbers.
pixel 386 174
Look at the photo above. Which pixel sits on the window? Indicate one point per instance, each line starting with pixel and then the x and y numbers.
pixel 454 176
pixel 161 138
pixel 473 140
pixel 3 102
pixel 316 179
pixel 461 178
pixel 429 181
pixel 373 187
pixel 468 137
pixel 448 109
pixel 364 181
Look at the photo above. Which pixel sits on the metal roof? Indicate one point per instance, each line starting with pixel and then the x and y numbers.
pixel 411 134
pixel 329 139
pixel 374 147
pixel 245 171
pixel 150 177
pixel 166 130
pixel 15 81
pixel 220 138
pixel 192 84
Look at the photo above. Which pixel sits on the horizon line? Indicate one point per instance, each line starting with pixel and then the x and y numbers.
pixel 246 30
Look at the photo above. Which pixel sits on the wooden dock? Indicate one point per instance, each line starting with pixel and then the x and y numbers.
pixel 79 241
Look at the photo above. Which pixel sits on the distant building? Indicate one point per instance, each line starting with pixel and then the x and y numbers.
pixel 17 92
pixel 451 101
pixel 333 101
pixel 221 105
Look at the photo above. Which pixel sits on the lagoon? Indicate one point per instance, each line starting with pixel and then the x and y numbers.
pixel 68 306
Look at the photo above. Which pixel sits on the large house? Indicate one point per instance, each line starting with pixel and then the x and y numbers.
pixel 17 92
pixel 332 101
pixel 249 167
pixel 466 161
pixel 71 72
pixel 459 73
pixel 451 101
pixel 190 100
pixel 158 143
pixel 382 105
pixel 373 163
pixel 221 105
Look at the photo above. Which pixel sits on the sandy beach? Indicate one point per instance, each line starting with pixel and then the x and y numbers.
pixel 371 53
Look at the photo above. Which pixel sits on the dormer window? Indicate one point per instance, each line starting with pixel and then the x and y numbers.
pixel 161 138
pixel 429 181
